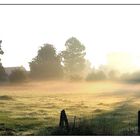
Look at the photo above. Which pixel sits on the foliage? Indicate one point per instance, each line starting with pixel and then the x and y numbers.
pixel 47 64
pixel 3 76
pixel 73 57
pixel 94 76
pixel 1 51
pixel 18 75
pixel 2 71
pixel 131 77
pixel 75 77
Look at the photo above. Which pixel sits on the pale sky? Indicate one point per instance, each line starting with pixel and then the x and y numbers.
pixel 111 34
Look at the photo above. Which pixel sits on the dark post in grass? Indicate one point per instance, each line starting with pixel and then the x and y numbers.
pixel 63 120
pixel 138 122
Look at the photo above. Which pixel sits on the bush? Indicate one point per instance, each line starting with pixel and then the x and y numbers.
pixel 95 76
pixel 18 75
pixel 3 76
pixel 131 77
pixel 75 77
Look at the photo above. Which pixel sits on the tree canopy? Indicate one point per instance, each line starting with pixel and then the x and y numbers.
pixel 73 57
pixel 1 51
pixel 47 64
pixel 2 71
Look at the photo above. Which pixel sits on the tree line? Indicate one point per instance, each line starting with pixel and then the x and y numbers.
pixel 70 63
pixel 48 64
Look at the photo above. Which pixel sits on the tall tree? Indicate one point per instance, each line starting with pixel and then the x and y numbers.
pixel 2 71
pixel 73 57
pixel 1 51
pixel 46 64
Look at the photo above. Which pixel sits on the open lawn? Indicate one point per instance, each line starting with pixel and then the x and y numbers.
pixel 34 108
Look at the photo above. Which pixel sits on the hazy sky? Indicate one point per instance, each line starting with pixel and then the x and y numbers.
pixel 111 34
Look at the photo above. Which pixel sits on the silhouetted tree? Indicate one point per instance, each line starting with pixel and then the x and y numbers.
pixel 1 51
pixel 73 57
pixel 2 71
pixel 47 64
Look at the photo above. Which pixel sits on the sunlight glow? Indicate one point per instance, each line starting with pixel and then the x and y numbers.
pixel 103 30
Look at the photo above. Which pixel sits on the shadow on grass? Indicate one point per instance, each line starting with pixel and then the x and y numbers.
pixel 118 122
pixel 5 97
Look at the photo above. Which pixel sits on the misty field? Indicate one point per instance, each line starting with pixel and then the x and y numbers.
pixel 34 108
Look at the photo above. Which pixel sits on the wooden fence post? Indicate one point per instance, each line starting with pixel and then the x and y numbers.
pixel 138 122
pixel 63 120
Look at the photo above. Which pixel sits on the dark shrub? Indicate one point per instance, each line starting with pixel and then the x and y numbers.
pixel 95 76
pixel 3 76
pixel 75 77
pixel 18 75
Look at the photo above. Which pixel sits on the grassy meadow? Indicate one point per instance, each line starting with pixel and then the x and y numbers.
pixel 101 108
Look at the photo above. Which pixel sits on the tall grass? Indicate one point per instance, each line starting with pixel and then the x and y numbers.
pixel 100 108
